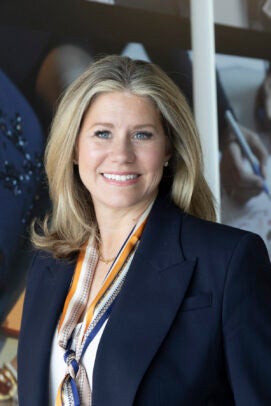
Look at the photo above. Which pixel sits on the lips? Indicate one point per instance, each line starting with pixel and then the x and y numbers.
pixel 120 177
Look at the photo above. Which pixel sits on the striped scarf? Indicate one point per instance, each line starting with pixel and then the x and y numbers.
pixel 74 389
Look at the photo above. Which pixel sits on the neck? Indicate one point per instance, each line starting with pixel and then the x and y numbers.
pixel 114 229
pixel 112 236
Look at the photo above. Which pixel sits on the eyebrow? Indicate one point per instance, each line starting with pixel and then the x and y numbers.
pixel 110 125
pixel 144 125
pixel 101 124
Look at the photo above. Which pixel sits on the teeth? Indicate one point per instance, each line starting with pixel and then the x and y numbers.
pixel 120 178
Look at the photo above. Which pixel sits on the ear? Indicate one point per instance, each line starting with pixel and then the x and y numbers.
pixel 168 152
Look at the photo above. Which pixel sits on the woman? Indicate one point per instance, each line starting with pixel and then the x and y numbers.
pixel 133 297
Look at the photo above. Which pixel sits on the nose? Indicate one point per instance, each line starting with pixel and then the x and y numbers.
pixel 122 151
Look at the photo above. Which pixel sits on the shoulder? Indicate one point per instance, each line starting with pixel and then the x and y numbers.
pixel 45 265
pixel 46 257
pixel 40 257
pixel 211 229
pixel 208 241
pixel 195 233
pixel 46 274
pixel 217 239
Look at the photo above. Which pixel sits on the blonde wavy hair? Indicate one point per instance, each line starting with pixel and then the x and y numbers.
pixel 72 219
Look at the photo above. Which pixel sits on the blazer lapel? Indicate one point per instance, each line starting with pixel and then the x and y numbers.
pixel 145 309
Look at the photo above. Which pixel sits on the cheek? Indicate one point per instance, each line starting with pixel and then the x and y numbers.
pixel 155 159
pixel 88 157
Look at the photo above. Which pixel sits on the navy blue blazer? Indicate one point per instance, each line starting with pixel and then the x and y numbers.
pixel 191 325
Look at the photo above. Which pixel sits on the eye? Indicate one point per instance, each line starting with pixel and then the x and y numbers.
pixel 142 135
pixel 103 134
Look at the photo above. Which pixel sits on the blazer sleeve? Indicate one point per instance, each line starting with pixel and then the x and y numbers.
pixel 247 322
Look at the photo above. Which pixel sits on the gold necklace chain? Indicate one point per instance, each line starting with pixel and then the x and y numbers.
pixel 104 260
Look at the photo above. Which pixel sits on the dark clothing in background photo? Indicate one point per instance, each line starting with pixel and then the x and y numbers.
pixel 21 170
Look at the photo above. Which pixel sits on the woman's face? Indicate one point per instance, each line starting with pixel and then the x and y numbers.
pixel 121 151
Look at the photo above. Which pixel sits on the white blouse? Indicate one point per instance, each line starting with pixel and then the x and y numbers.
pixel 58 366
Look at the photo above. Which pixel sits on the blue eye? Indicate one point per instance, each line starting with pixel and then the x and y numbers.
pixel 104 134
pixel 143 135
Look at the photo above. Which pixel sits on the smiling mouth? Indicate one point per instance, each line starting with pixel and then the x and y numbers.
pixel 120 178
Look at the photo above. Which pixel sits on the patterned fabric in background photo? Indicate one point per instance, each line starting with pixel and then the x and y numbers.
pixel 21 149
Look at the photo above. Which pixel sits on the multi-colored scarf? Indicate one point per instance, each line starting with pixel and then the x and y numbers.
pixel 74 389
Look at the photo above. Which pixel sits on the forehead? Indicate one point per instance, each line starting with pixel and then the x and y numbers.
pixel 117 101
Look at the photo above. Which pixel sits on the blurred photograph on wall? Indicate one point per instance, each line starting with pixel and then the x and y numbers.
pixel 247 83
